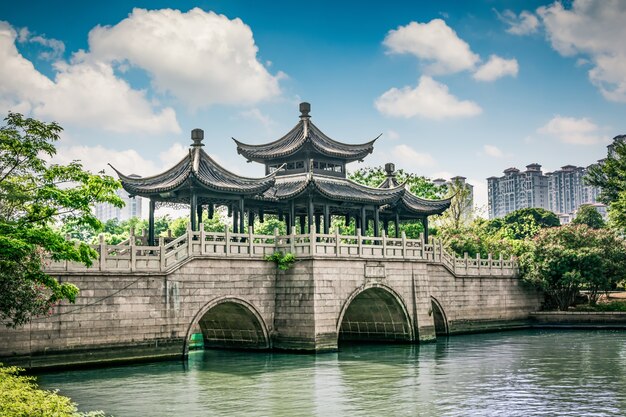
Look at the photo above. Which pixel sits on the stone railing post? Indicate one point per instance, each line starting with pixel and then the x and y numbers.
pixel 422 247
pixel 250 242
pixel 226 241
pixel 466 259
pixel 103 252
pixel 501 263
pixel 312 240
pixel 189 239
pixel 404 244
pixel 359 242
pixel 292 240
pixel 133 253
pixel 162 253
pixel 440 250
pixel 489 262
pixel 202 239
pixel 337 242
pixel 275 240
pixel 384 237
pixel 478 262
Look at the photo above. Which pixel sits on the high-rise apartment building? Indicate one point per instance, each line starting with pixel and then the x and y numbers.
pixel 561 191
pixel 132 208
pixel 516 190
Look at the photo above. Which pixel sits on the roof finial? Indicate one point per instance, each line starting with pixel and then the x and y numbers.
pixel 197 135
pixel 305 108
pixel 390 169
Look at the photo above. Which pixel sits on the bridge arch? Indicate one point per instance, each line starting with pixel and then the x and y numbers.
pixel 439 317
pixel 229 322
pixel 374 313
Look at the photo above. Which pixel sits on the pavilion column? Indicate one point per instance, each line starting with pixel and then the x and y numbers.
pixel 262 216
pixel 210 211
pixel 302 224
pixel 318 223
pixel 235 220
pixel 192 208
pixel 363 222
pixel 310 215
pixel 425 223
pixel 250 219
pixel 347 223
pixel 292 215
pixel 376 222
pixel 288 223
pixel 326 219
pixel 241 219
pixel 386 226
pixel 199 212
pixel 396 224
pixel 151 223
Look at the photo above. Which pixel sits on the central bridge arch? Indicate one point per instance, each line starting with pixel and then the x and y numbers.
pixel 230 323
pixel 375 313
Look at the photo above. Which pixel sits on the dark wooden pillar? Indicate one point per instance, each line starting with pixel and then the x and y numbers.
pixel 396 224
pixel 425 223
pixel 241 219
pixel 326 218
pixel 151 223
pixel 386 226
pixel 288 223
pixel 199 213
pixel 210 211
pixel 310 214
pixel 192 208
pixel 292 214
pixel 318 223
pixel 347 220
pixel 235 220
pixel 363 221
pixel 251 219
pixel 262 216
pixel 376 222
pixel 302 224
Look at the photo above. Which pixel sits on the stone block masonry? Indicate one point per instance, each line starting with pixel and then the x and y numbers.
pixel 245 302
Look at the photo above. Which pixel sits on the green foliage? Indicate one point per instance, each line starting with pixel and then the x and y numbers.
pixel 562 260
pixel 33 196
pixel 460 212
pixel 418 185
pixel 610 306
pixel 525 223
pixel 270 223
pixel 589 215
pixel 610 176
pixel 20 397
pixel 283 261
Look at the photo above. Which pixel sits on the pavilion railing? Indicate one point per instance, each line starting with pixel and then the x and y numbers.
pixel 133 255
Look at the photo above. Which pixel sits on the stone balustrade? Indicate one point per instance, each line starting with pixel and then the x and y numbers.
pixel 166 257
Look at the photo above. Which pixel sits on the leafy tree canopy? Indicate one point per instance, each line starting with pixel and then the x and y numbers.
pixel 562 260
pixel 589 215
pixel 418 185
pixel 33 197
pixel 610 176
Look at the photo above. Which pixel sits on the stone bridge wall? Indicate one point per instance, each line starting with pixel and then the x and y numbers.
pixel 148 315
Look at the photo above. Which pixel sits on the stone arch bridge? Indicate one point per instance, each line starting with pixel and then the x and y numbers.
pixel 144 302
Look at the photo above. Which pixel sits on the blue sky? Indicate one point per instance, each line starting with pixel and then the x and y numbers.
pixel 456 88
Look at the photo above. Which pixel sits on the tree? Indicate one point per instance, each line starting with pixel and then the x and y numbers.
pixel 460 211
pixel 525 223
pixel 589 215
pixel 610 176
pixel 562 260
pixel 418 185
pixel 33 196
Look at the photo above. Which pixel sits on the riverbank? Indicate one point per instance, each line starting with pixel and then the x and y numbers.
pixel 579 319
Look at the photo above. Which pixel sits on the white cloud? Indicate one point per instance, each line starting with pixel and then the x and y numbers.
pixel 495 68
pixel 96 158
pixel 84 93
pixel 594 29
pixel 435 42
pixel 258 116
pixel 201 58
pixel 523 24
pixel 392 134
pixel 493 151
pixel 173 155
pixel 430 99
pixel 411 159
pixel 55 46
pixel 573 131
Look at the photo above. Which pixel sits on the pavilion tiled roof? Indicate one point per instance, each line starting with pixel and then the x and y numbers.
pixel 305 133
pixel 198 166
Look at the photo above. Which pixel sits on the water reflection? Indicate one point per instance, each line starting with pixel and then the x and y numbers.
pixel 543 373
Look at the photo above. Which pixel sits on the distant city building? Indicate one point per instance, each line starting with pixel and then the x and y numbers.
pixel 516 190
pixel 461 180
pixel 561 191
pixel 132 208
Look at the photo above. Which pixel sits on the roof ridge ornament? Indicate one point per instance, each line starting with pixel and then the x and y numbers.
pixel 197 135
pixel 305 109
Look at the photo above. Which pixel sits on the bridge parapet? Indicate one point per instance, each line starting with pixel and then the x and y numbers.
pixel 166 257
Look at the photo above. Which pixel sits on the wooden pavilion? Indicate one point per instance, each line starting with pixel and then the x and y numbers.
pixel 305 185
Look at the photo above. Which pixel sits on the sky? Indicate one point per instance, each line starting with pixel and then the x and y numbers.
pixel 454 87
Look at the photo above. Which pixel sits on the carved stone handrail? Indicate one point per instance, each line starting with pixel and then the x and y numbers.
pixel 130 257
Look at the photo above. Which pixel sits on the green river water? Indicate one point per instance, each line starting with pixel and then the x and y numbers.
pixel 521 373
